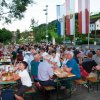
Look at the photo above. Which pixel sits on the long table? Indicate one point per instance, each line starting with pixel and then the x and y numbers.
pixel 62 75
pixel 7 82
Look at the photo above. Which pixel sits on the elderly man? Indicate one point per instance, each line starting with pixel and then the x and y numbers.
pixel 72 64
pixel 45 72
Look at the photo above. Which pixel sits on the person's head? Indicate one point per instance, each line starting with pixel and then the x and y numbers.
pixel 37 57
pixel 23 65
pixel 69 55
pixel 90 54
pixel 43 50
pixel 12 48
pixel 47 57
pixel 53 53
pixel 76 53
pixel 54 63
pixel 33 51
pixel 98 52
pixel 19 52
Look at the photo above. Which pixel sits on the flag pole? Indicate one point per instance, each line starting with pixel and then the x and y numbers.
pixel 89 40
pixel 74 39
pixel 89 25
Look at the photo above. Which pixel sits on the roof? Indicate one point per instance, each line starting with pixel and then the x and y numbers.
pixel 93 20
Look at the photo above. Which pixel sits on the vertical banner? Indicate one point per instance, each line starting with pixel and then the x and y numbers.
pixel 83 16
pixel 61 12
pixel 70 17
pixel 58 20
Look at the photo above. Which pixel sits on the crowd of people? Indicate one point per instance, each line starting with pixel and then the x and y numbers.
pixel 40 60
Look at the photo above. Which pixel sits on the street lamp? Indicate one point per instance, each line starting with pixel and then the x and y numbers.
pixel 95 35
pixel 46 13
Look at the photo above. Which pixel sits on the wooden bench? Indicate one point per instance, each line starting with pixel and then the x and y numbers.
pixel 32 90
pixel 80 81
pixel 47 91
pixel 29 94
pixel 48 88
pixel 92 80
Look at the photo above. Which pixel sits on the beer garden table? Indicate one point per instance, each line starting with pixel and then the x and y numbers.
pixel 62 75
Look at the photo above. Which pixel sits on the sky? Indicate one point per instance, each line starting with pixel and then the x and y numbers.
pixel 36 11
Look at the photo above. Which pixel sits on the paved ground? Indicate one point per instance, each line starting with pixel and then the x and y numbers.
pixel 81 93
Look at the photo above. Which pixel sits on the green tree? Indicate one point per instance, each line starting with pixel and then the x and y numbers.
pixel 13 9
pixel 18 35
pixel 39 32
pixel 5 35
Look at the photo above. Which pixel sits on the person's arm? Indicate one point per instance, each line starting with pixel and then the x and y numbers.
pixel 50 72
pixel 15 62
pixel 66 69
pixel 16 77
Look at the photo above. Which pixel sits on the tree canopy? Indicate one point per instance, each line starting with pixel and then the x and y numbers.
pixel 13 9
pixel 5 35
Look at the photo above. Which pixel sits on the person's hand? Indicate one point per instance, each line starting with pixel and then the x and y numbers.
pixel 15 68
pixel 97 67
pixel 66 69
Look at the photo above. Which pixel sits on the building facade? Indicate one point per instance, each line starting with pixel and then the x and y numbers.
pixel 94 24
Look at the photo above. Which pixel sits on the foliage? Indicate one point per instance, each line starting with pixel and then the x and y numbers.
pixel 18 34
pixel 13 9
pixel 40 32
pixel 5 35
pixel 95 16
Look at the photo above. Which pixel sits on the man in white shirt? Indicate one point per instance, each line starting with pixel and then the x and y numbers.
pixel 43 52
pixel 55 58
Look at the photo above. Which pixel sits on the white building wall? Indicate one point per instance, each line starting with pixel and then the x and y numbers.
pixel 95 26
pixel 98 24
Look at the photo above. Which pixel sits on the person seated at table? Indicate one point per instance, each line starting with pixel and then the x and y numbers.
pixel 13 55
pixel 72 65
pixel 88 65
pixel 34 67
pixel 23 75
pixel 45 72
pixel 19 57
pixel 55 58
pixel 96 57
pixel 43 52
pixel 76 55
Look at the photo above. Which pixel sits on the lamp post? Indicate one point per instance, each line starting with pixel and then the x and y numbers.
pixel 95 35
pixel 46 13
